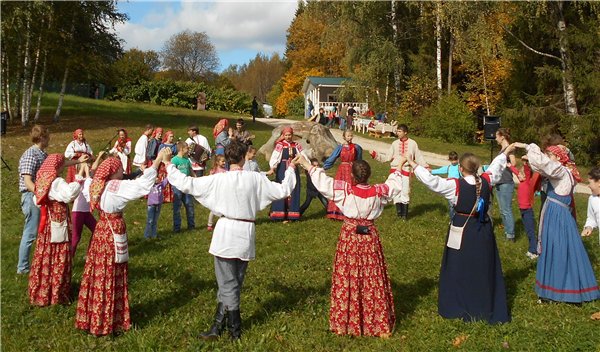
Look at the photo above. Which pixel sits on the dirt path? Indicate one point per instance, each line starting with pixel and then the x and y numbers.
pixel 382 147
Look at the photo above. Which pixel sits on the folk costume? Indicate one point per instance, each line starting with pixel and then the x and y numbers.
pixel 122 149
pixel 398 148
pixel 103 305
pixel 50 276
pixel 361 294
pixel 593 212
pixel 141 146
pixel 74 150
pixel 198 165
pixel 564 272
pixel 348 153
pixel 284 152
pixel 168 195
pixel 471 284
pixel 81 214
pixel 221 135
pixel 236 197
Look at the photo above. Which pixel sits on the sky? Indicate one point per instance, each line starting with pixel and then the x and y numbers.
pixel 238 29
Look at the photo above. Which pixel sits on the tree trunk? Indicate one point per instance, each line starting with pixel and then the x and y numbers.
pixel 62 95
pixel 43 76
pixel 450 52
pixel 33 75
pixel 26 79
pixel 397 72
pixel 5 84
pixel 487 104
pixel 566 65
pixel 438 45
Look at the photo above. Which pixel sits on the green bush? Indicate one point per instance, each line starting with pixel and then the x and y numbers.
pixel 184 94
pixel 449 120
pixel 296 106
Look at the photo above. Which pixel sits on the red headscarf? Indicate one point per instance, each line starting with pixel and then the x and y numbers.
pixel 166 136
pixel 220 126
pixel 157 130
pixel 46 175
pixel 284 131
pixel 103 173
pixel 562 153
pixel 76 133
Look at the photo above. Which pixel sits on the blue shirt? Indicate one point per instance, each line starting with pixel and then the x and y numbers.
pixel 451 170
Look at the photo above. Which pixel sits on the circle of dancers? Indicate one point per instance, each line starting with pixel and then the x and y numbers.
pixel 471 284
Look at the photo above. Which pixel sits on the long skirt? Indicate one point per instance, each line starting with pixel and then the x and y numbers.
pixel 168 190
pixel 50 276
pixel 344 173
pixel 471 282
pixel 103 305
pixel 564 272
pixel 362 302
pixel 287 208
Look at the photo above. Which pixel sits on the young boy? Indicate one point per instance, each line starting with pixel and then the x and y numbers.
pixel 236 196
pixel 251 164
pixel 593 212
pixel 452 172
pixel 311 190
pixel 184 165
pixel 525 199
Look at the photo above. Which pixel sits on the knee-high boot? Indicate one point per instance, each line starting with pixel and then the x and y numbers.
pixel 218 325
pixel 234 324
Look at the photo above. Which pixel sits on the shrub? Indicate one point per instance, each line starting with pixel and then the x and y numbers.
pixel 295 106
pixel 449 120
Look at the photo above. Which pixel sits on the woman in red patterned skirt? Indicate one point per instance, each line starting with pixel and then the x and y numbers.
pixel 348 152
pixel 103 306
pixel 50 277
pixel 361 294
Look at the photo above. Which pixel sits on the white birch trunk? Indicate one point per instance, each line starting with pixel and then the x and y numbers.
pixel 438 45
pixel 33 76
pixel 62 95
pixel 26 79
pixel 397 72
pixel 43 76
pixel 5 85
pixel 567 73
pixel 450 53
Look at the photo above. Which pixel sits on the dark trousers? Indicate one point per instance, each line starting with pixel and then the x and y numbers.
pixel 309 198
pixel 529 224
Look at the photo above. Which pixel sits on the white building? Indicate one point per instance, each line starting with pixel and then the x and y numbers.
pixel 322 91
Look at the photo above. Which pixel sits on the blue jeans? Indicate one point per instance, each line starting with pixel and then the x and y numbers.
pixel 451 211
pixel 152 221
pixel 188 202
pixel 504 192
pixel 529 224
pixel 30 230
pixel 342 124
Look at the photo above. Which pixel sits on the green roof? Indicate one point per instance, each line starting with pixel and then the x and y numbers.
pixel 333 81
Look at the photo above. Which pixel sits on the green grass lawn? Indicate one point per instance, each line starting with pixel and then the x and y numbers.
pixel 285 301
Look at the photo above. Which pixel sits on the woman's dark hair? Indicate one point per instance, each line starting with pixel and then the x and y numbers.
pixel 552 139
pixel 595 173
pixel 235 152
pixel 361 170
pixel 240 121
pixel 504 132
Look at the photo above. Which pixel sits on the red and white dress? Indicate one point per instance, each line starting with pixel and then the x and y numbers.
pixel 348 153
pixel 50 276
pixel 74 150
pixel 122 149
pixel 361 294
pixel 103 305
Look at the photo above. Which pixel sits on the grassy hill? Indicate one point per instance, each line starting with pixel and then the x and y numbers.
pixel 285 302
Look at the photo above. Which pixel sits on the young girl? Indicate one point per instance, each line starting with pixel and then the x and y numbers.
pixel 74 150
pixel 167 142
pixel 564 272
pixel 361 293
pixel 471 283
pixel 348 152
pixel 285 151
pixel 219 166
pixel 50 276
pixel 103 305
pixel 155 201
pixel 122 149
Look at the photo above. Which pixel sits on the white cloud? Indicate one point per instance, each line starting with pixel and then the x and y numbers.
pixel 245 25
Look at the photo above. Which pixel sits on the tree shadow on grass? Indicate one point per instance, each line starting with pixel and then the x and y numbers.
pixel 512 279
pixel 188 288
pixel 286 297
pixel 407 296
pixel 426 209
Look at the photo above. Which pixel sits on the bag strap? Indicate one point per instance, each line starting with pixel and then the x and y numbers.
pixel 474 205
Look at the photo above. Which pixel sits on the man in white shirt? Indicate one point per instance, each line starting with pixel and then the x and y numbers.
pixel 198 161
pixel 236 196
pixel 140 149
pixel 593 213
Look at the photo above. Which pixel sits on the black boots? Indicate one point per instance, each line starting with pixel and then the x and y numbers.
pixel 234 324
pixel 218 325
pixel 233 321
pixel 402 210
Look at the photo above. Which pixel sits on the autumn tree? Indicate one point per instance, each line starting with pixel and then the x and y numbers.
pixel 190 55
pixel 258 76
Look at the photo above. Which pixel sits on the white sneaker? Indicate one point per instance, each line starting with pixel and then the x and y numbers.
pixel 531 256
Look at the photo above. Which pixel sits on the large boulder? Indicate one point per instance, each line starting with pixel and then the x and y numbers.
pixel 316 139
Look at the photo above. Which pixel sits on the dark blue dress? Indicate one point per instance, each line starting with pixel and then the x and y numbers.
pixel 288 208
pixel 471 282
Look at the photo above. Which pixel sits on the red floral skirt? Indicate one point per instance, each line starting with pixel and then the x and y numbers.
pixel 103 305
pixel 344 173
pixel 168 190
pixel 50 276
pixel 362 302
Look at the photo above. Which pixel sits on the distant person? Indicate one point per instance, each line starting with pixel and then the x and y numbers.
pixel 200 155
pixel 593 212
pixel 350 117
pixel 254 110
pixel 505 188
pixel 453 171
pixel 29 164
pixel 311 190
pixel 183 164
pixel 122 149
pixel 168 142
pixel 74 150
pixel 241 134
pixel 219 166
pixel 222 134
pixel 525 194
pixel 251 164
pixel 141 145
pixel 311 108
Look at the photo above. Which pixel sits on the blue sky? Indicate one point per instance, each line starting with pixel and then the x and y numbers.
pixel 238 29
